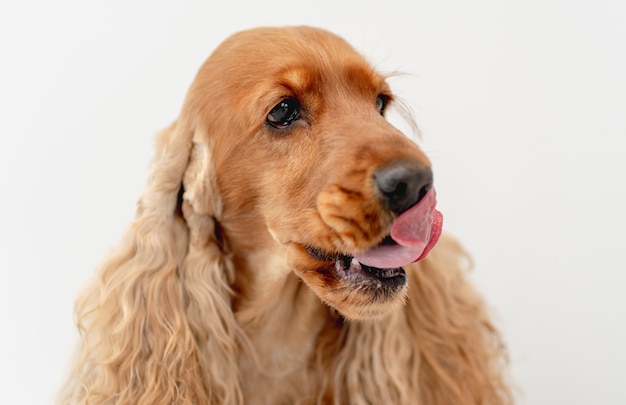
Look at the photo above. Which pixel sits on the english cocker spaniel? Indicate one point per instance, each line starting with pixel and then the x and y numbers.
pixel 281 253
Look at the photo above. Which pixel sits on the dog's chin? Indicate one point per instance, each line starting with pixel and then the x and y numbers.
pixel 355 290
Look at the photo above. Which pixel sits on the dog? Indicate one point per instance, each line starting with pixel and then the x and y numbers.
pixel 287 250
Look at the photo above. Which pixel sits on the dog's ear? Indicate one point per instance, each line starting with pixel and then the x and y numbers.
pixel 157 325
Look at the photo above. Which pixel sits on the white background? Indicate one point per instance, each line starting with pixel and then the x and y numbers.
pixel 522 106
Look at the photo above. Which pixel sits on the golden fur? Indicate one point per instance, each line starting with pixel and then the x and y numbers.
pixel 214 295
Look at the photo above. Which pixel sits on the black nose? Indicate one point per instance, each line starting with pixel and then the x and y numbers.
pixel 402 185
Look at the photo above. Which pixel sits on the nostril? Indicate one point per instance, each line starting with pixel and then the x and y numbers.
pixel 391 188
pixel 403 185
pixel 423 192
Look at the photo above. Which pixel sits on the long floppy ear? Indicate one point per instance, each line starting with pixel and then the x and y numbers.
pixel 157 326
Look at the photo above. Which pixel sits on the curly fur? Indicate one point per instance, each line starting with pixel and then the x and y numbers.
pixel 212 297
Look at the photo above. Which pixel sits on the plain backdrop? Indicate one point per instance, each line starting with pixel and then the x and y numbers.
pixel 522 107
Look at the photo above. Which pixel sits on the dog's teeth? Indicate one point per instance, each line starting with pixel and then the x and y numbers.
pixel 355 264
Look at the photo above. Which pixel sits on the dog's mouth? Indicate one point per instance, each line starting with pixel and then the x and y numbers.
pixel 350 269
pixel 413 234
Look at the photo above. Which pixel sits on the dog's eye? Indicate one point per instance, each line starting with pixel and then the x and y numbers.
pixel 381 102
pixel 284 113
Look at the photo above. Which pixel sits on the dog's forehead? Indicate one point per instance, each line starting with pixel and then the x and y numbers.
pixel 295 57
pixel 302 78
pixel 283 40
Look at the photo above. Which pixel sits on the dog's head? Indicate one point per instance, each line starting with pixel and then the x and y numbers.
pixel 290 122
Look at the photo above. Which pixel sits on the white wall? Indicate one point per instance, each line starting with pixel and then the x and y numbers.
pixel 522 106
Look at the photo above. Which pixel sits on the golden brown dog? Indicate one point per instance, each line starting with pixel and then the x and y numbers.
pixel 271 260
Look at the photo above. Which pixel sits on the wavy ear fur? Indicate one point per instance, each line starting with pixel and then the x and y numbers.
pixel 161 302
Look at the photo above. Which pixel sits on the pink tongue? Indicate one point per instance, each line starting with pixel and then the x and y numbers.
pixel 415 232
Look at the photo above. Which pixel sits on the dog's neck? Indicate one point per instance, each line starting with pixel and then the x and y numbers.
pixel 283 320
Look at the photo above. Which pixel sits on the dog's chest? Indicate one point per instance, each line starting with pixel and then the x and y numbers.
pixel 282 370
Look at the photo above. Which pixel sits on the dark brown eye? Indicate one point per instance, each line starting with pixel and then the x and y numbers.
pixel 284 113
pixel 381 103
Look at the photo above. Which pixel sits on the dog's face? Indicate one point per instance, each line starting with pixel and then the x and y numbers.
pixel 305 158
